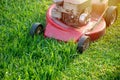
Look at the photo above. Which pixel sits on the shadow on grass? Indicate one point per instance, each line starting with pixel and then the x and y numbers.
pixel 111 76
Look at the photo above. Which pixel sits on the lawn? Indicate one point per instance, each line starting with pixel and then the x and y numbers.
pixel 25 58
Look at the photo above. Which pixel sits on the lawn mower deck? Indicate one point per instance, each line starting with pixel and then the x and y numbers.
pixel 60 31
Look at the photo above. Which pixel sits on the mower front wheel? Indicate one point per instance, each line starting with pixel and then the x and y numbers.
pixel 36 29
pixel 83 44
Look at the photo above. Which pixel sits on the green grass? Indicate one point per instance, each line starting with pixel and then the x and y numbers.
pixel 39 58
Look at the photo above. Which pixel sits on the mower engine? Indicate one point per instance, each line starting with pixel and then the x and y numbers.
pixel 74 13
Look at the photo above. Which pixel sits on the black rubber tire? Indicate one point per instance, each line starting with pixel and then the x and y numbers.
pixel 83 43
pixel 111 15
pixel 36 29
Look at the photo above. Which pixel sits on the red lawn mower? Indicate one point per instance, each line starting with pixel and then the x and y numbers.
pixel 81 21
